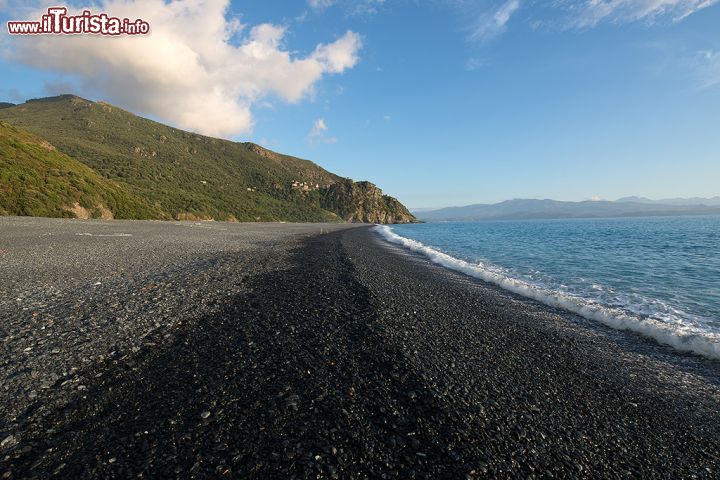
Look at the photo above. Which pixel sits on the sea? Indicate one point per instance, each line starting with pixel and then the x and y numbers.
pixel 657 276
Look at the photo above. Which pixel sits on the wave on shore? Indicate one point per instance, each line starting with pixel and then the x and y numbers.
pixel 680 336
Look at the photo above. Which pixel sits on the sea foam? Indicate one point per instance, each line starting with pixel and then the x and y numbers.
pixel 688 338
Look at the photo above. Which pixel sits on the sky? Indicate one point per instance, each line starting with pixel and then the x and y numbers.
pixel 438 102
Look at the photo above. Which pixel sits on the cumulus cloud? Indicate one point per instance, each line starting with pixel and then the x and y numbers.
pixel 494 22
pixel 318 132
pixel 197 69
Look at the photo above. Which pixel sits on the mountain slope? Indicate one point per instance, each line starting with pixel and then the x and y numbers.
pixel 37 180
pixel 549 209
pixel 710 202
pixel 187 176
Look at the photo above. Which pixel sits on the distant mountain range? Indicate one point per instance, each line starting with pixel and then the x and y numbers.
pixel 710 202
pixel 70 157
pixel 548 209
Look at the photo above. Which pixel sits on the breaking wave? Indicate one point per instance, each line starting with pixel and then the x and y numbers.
pixel 681 333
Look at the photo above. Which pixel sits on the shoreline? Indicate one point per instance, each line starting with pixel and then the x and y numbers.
pixel 339 355
pixel 633 339
pixel 612 317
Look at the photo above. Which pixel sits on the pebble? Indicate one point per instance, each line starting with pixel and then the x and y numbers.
pixel 8 442
pixel 381 399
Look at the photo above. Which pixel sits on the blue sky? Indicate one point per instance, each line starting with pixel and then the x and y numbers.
pixel 438 102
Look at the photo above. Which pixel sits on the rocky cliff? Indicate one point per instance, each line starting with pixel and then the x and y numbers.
pixel 363 202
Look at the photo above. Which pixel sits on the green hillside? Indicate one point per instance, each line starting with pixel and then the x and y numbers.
pixel 181 174
pixel 37 180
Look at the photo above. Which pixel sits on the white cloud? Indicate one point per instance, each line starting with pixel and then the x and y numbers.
pixel 493 23
pixel 589 13
pixel 197 69
pixel 318 132
pixel 367 7
pixel 349 7
pixel 575 14
pixel 319 127
pixel 473 64
pixel 320 4
pixel 708 67
pixel 339 55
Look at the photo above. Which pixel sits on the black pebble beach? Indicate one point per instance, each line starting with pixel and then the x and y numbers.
pixel 321 352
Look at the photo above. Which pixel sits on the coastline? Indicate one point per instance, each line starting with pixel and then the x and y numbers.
pixel 339 355
pixel 694 341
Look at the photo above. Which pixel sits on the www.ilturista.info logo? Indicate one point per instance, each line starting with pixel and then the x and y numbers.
pixel 58 22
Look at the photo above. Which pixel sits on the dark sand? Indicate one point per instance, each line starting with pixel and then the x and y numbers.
pixel 282 353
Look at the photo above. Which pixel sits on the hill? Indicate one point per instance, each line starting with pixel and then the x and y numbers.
pixel 549 209
pixel 184 175
pixel 37 180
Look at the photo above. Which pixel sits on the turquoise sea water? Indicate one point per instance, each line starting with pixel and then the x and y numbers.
pixel 657 276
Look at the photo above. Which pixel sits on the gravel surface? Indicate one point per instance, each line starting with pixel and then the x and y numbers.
pixel 270 351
